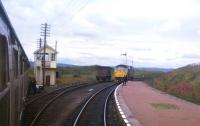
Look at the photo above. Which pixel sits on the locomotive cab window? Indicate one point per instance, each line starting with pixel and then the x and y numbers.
pixel 3 62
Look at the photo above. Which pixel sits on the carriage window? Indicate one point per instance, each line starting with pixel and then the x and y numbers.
pixel 12 38
pixel 25 65
pixel 3 62
pixel 15 62
pixel 21 65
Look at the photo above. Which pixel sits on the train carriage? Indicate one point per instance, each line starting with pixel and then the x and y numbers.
pixel 103 73
pixel 14 66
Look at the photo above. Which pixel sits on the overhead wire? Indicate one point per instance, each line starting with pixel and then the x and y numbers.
pixel 75 6
pixel 81 8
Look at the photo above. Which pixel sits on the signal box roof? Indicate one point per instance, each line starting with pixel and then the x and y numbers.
pixel 42 48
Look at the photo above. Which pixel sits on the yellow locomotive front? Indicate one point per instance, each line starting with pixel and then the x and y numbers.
pixel 120 72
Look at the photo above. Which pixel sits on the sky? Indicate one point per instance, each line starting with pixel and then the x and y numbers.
pixel 153 33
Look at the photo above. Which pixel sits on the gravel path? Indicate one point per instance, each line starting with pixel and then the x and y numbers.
pixel 155 108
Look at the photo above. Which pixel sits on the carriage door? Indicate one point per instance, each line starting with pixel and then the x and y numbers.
pixel 48 80
pixel 3 62
pixel 4 78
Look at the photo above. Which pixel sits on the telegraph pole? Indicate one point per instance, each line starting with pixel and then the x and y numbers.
pixel 45 32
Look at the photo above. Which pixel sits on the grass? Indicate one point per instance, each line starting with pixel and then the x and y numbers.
pixel 164 106
pixel 79 71
pixel 69 80
pixel 149 76
pixel 77 74
pixel 69 75
pixel 183 83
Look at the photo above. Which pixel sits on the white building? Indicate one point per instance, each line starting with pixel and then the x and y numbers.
pixel 50 65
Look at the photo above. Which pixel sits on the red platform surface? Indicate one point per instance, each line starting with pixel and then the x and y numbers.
pixel 150 106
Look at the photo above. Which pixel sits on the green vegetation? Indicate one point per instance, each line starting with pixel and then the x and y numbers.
pixel 77 71
pixel 164 106
pixel 70 80
pixel 77 74
pixel 147 75
pixel 183 82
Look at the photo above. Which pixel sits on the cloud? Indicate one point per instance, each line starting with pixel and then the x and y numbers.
pixel 171 26
pixel 154 33
pixel 191 56
pixel 85 34
pixel 141 49
pixel 85 60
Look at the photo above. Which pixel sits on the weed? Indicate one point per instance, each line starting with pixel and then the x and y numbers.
pixel 164 106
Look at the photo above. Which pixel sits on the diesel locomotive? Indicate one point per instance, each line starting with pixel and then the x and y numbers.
pixel 121 71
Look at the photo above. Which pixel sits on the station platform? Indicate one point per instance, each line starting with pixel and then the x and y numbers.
pixel 145 106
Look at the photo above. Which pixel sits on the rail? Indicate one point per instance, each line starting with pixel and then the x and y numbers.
pixel 32 115
pixel 89 100
pixel 48 103
pixel 105 107
pixel 43 95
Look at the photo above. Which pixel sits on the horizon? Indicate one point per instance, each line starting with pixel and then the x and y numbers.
pixel 76 65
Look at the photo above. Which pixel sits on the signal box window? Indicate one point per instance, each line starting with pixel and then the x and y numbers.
pixel 3 62
pixel 53 57
pixel 46 57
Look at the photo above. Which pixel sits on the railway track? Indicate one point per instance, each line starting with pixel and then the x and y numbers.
pixel 113 115
pixel 34 98
pixel 42 109
pixel 94 111
pixel 36 105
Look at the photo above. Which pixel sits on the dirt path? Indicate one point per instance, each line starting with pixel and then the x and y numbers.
pixel 154 108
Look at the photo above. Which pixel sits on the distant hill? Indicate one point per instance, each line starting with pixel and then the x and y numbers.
pixel 139 68
pixel 183 82
pixel 58 64
pixel 65 65
pixel 155 69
